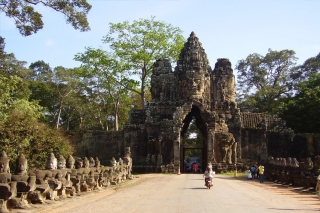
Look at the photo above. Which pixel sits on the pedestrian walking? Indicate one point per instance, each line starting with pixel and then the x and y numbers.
pixel 253 171
pixel 261 173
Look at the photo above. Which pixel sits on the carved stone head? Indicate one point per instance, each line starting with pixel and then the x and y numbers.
pixel 86 162
pixel 79 163
pixel 52 162
pixel 62 162
pixel 21 165
pixel 70 162
pixel 120 161
pixel 92 162
pixel 4 163
pixel 113 161
pixel 97 162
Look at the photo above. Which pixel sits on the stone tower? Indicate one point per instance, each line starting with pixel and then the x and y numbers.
pixel 192 90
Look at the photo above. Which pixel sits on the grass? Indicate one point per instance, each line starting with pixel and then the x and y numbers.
pixel 239 174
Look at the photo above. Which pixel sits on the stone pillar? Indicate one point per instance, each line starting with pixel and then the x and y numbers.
pixel 176 149
pixel 210 142
pixel 234 153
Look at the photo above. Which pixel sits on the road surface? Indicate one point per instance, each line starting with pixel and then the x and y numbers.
pixel 187 193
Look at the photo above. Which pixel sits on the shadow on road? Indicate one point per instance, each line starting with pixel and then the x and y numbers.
pixel 197 188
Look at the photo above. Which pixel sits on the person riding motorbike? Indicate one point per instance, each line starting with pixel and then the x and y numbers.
pixel 208 175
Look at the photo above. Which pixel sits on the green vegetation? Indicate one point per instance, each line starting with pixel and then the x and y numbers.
pixel 139 44
pixel 274 84
pixel 264 82
pixel 29 21
pixel 193 136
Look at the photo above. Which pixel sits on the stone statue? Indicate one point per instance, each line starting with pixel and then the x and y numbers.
pixel 7 189
pixel 25 183
pixel 70 162
pixel 113 162
pixel 127 160
pixel 227 146
pixel 52 162
pixel 62 162
pixel 42 176
pixel 120 162
pixel 92 162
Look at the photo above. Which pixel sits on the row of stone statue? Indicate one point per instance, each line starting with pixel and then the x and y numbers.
pixel 62 178
pixel 290 171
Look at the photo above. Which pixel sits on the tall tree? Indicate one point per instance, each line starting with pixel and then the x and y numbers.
pixel 65 82
pixel 29 21
pixel 139 44
pixel 112 83
pixel 301 111
pixel 20 130
pixel 265 81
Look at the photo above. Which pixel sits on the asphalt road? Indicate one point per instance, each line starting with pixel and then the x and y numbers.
pixel 187 193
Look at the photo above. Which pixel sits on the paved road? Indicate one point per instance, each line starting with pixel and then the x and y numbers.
pixel 187 193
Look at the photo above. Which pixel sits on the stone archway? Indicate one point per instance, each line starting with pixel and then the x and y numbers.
pixel 202 127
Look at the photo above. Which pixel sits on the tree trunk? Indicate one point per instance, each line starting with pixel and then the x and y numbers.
pixel 116 120
pixel 58 117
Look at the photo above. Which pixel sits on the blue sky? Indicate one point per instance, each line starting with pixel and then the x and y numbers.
pixel 227 29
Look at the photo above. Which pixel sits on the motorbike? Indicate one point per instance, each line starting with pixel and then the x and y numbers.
pixel 208 182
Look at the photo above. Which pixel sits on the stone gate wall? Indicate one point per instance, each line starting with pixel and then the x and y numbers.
pixel 101 144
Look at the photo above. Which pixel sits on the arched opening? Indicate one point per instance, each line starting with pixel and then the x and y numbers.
pixel 193 146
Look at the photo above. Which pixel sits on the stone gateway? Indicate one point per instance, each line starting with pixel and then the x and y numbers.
pixel 192 90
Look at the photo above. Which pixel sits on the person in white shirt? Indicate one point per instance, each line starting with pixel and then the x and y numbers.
pixel 208 174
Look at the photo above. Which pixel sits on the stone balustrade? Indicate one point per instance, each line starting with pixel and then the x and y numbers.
pixel 61 179
pixel 289 171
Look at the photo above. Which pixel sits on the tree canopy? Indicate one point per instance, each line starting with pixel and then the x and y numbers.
pixel 29 21
pixel 265 81
pixel 20 128
pixel 301 111
pixel 140 43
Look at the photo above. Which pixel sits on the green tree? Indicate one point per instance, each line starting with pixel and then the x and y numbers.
pixel 20 130
pixel 193 136
pixel 9 65
pixel 301 111
pixel 309 67
pixel 42 88
pixel 264 82
pixel 139 44
pixel 29 21
pixel 111 82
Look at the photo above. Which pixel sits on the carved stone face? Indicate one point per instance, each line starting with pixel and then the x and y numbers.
pixel 61 163
pixel 92 163
pixel 196 83
pixel 4 166
pixel 70 162
pixel 79 163
pixel 52 162
pixel 86 163
pixel 4 163
pixel 22 165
